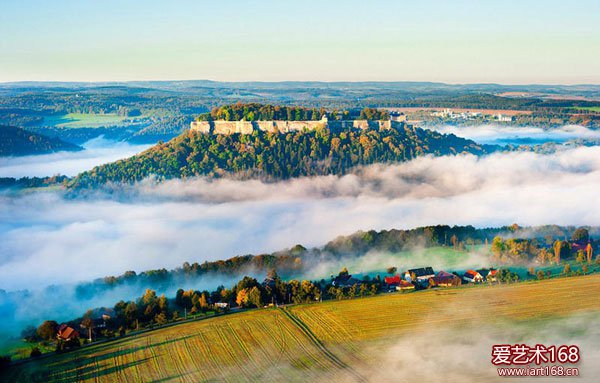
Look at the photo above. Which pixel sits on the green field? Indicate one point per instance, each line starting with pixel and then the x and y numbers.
pixel 595 109
pixel 84 120
pixel 335 340
pixel 441 257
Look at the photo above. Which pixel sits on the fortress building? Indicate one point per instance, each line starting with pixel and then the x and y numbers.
pixel 284 126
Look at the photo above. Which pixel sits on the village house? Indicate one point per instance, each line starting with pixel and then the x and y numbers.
pixel 472 276
pixel 67 333
pixel 345 280
pixel 392 282
pixel 488 275
pixel 444 279
pixel 420 275
pixel 491 277
pixel 222 305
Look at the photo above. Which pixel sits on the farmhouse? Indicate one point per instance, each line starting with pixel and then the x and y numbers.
pixel 393 281
pixel 421 274
pixel 445 281
pixel 345 280
pixel 488 274
pixel 222 305
pixel 67 333
pixel 491 277
pixel 472 276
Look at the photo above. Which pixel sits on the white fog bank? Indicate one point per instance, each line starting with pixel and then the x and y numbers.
pixel 518 135
pixel 162 225
pixel 96 152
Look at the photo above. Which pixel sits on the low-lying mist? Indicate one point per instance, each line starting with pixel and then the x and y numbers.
pixel 57 238
pixel 464 354
pixel 495 134
pixel 97 151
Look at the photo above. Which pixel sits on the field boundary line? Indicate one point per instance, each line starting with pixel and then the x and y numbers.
pixel 320 346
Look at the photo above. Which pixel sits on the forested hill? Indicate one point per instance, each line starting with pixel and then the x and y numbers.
pixel 18 142
pixel 275 156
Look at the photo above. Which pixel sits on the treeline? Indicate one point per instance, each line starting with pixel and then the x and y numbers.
pixel 32 182
pixel 19 142
pixel 298 260
pixel 547 250
pixel 267 112
pixel 276 156
pixel 261 112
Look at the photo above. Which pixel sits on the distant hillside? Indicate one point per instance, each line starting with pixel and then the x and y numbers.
pixel 18 142
pixel 278 156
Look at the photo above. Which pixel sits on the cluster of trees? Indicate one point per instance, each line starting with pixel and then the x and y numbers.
pixel 18 142
pixel 545 251
pixel 297 260
pixel 262 112
pixel 150 309
pixel 266 112
pixel 277 156
pixel 374 114
pixel 32 182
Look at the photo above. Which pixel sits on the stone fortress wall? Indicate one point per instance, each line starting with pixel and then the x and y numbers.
pixel 283 126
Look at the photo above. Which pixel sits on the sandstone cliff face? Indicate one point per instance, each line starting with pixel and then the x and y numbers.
pixel 247 127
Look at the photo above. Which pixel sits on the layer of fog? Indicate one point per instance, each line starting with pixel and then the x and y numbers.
pixel 200 220
pixel 464 353
pixel 48 238
pixel 518 135
pixel 97 151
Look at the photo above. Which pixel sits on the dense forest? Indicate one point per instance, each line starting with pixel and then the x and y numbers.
pixel 267 112
pixel 277 156
pixel 18 142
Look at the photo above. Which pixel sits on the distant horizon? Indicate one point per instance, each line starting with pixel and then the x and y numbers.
pixel 515 42
pixel 296 81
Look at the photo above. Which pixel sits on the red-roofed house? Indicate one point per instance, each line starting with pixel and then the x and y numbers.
pixel 491 277
pixel 393 281
pixel 67 333
pixel 472 276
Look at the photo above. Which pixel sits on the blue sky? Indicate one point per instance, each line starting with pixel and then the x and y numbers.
pixel 510 42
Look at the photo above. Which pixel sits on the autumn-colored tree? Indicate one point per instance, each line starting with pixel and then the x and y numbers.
pixel 352 291
pixel 567 269
pixel 160 319
pixel 589 250
pixel 242 298
pixel 363 289
pixel 47 330
pixel 561 250
pixel 203 302
pixel 580 256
